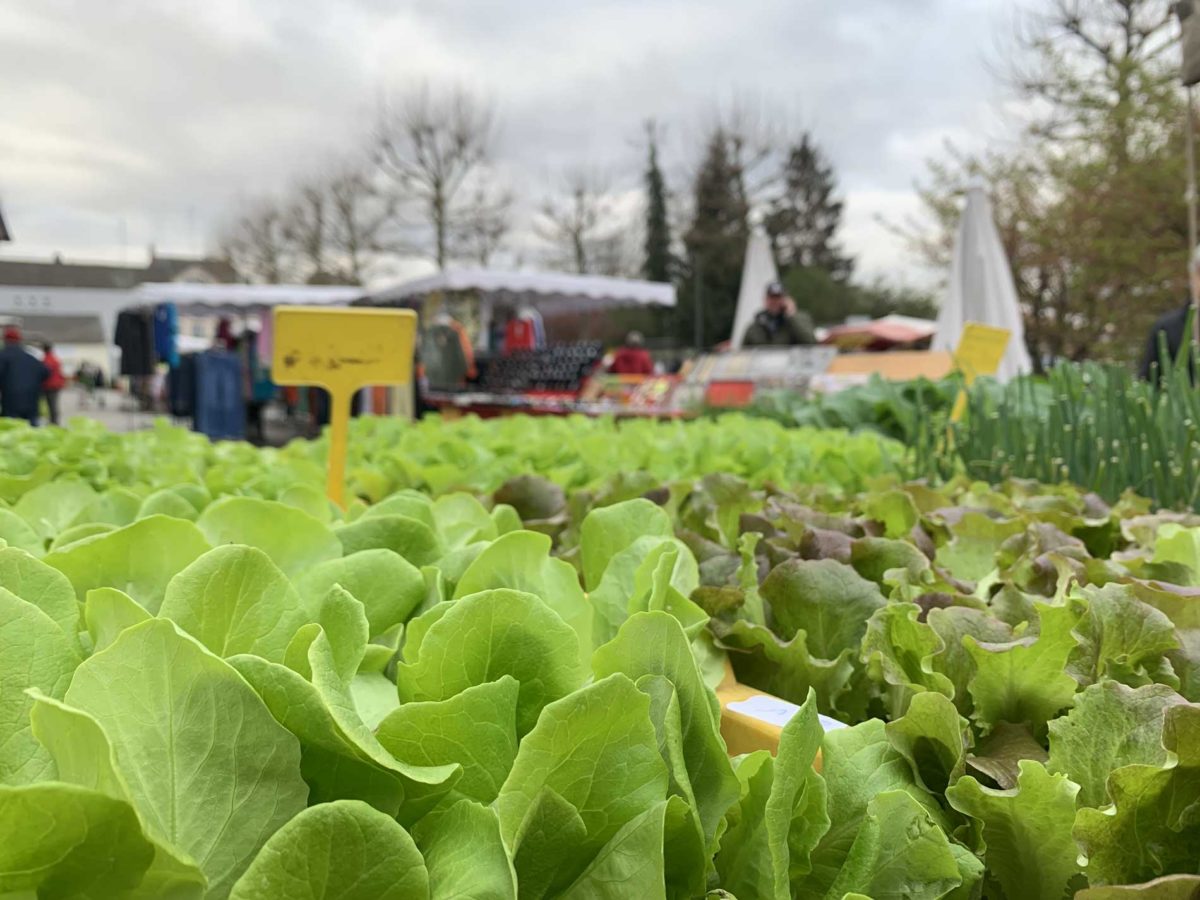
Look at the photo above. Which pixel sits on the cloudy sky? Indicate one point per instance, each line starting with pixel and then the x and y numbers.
pixel 127 122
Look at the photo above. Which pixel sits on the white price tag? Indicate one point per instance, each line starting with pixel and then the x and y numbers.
pixel 777 712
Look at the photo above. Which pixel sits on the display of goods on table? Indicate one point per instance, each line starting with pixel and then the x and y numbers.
pixel 492 676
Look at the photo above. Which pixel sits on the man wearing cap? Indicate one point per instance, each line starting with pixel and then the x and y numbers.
pixel 780 324
pixel 21 378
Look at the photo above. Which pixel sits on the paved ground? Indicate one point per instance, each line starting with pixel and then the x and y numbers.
pixel 119 412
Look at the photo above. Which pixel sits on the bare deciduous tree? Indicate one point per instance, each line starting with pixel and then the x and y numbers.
pixel 483 221
pixel 306 226
pixel 578 221
pixel 430 145
pixel 256 243
pixel 363 215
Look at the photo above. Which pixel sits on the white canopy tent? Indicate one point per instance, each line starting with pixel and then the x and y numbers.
pixel 240 299
pixel 981 287
pixel 584 292
pixel 758 272
pixel 550 293
pixel 87 316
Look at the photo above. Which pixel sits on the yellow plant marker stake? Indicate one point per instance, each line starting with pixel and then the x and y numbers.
pixel 343 351
pixel 980 350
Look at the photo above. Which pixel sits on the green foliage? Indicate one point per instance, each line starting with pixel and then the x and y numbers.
pixel 715 243
pixel 508 692
pixel 659 262
pixel 1087 196
pixel 803 220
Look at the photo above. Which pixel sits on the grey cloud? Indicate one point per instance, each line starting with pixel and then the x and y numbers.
pixel 162 113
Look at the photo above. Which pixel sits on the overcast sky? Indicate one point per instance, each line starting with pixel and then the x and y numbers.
pixel 127 122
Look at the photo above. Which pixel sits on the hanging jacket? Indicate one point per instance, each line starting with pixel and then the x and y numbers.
pixel 467 350
pixel 135 338
pixel 166 331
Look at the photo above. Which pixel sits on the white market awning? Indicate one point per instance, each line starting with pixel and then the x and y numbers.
pixel 546 290
pixel 233 299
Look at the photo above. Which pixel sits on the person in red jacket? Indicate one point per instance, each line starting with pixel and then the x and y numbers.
pixel 632 358
pixel 54 382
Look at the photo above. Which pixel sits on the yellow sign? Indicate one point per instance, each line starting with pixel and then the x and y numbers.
pixel 980 351
pixel 343 351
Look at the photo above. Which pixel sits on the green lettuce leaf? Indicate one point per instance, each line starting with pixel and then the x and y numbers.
pixel 745 863
pixel 293 539
pixel 545 847
pixel 1153 827
pixel 933 737
pixel 1111 726
pixel 610 529
pixel 899 851
pixel 388 587
pixel 465 854
pixel 895 510
pixel 344 850
pixel 477 729
pixel 50 508
pixel 489 635
pixel 234 599
pixel 1025 681
pixel 61 840
pixel 654 644
pixel 216 793
pixel 898 649
pixel 84 757
pixel 596 750
pixel 1029 851
pixel 19 534
pixel 139 559
pixel 46 588
pixel 858 764
pixel 36 655
pixel 521 561
pixel 829 601
pixel 108 612
pixel 413 540
pixel 1120 637
pixel 954 661
pixel 340 757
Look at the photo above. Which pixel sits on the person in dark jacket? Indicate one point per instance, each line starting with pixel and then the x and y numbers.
pixel 21 378
pixel 1172 327
pixel 779 325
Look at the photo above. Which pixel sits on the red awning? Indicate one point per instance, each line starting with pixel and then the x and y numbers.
pixel 881 334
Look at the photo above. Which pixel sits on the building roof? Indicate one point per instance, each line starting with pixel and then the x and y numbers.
pixel 57 273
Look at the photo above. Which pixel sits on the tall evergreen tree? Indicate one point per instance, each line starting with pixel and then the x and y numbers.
pixel 658 264
pixel 803 220
pixel 716 245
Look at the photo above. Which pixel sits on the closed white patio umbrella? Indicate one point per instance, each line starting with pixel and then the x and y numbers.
pixel 981 287
pixel 758 272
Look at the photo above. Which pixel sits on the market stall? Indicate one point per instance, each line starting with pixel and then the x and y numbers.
pixel 498 342
pixel 202 350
